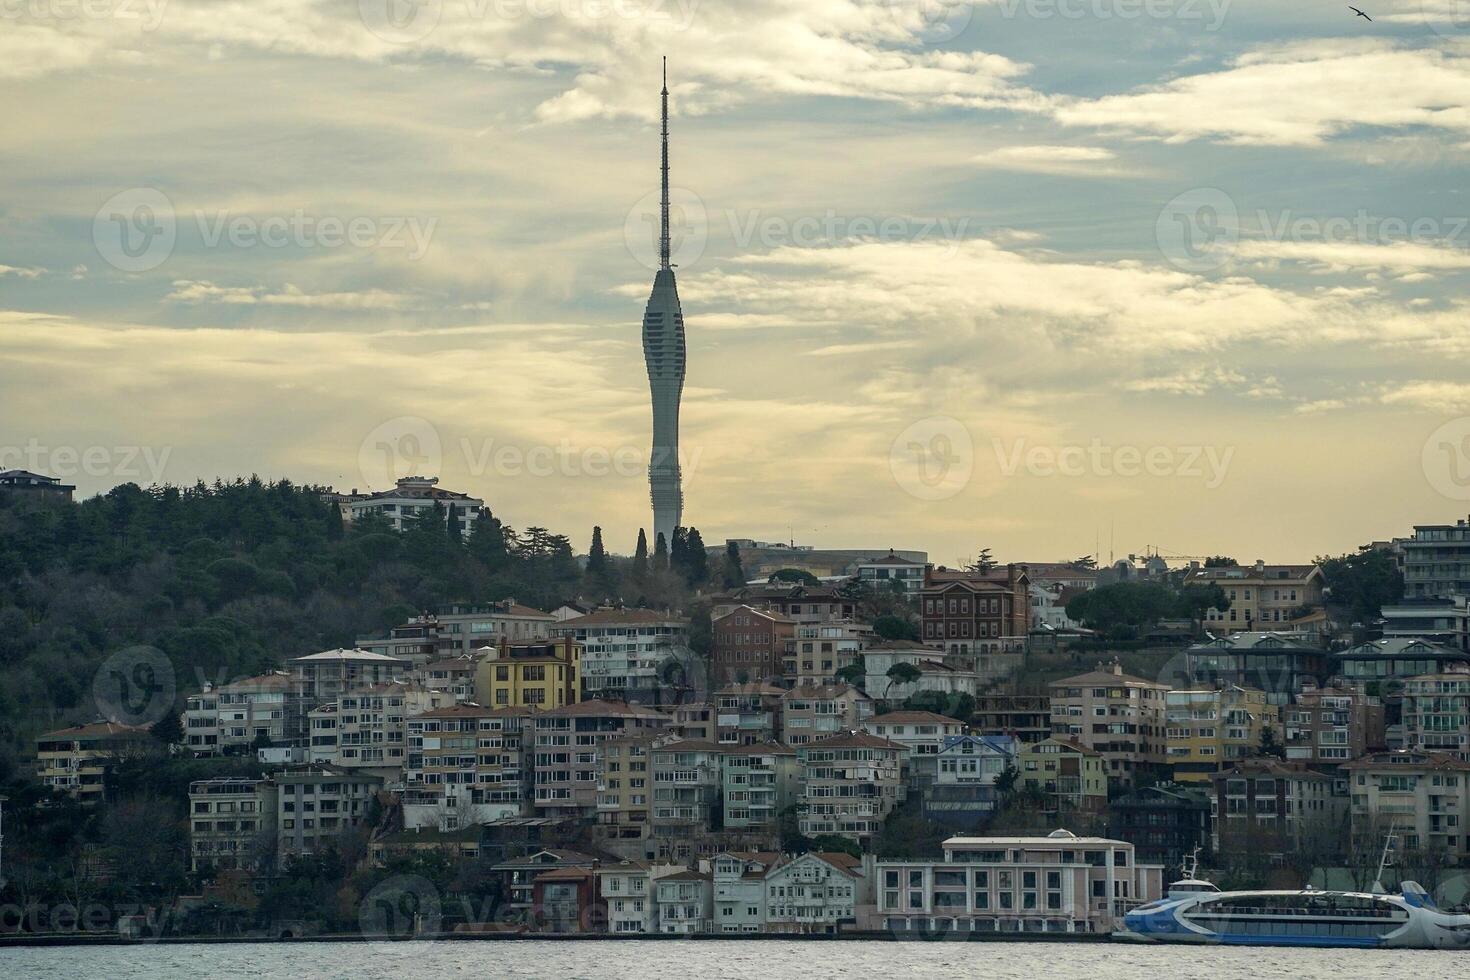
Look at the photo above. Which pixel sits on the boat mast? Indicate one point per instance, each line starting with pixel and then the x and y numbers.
pixel 1383 862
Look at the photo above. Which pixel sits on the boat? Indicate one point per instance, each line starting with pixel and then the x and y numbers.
pixel 1195 911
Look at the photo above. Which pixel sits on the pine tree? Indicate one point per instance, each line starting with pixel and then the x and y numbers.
pixel 452 525
pixel 487 542
pixel 660 554
pixel 696 560
pixel 640 557
pixel 732 572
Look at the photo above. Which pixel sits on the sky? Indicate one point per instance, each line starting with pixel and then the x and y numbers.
pixel 1049 277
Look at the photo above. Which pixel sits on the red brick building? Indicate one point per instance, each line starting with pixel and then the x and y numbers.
pixel 750 644
pixel 976 612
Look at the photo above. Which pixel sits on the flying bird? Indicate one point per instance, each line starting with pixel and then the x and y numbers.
pixel 1360 13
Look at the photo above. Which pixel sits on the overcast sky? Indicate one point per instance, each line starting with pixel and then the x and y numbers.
pixel 1024 274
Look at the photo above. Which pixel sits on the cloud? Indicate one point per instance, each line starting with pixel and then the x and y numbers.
pixel 1338 256
pixel 187 291
pixel 21 272
pixel 1080 161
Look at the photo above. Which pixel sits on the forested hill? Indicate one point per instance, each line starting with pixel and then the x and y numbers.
pixel 229 580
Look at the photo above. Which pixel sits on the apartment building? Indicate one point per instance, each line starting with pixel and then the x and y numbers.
pixel 1057 883
pixel 318 804
pixel 232 824
pixel 962 794
pixel 453 675
pixel 1436 714
pixel 1436 560
pixel 1328 726
pixel 76 760
pixel 798 603
pixel 622 650
pixel 976 612
pixel 822 649
pixel 372 727
pixel 326 676
pixel 758 783
pixel 748 713
pixel 460 630
pixel 1024 717
pixel 565 759
pixel 739 890
pixel 539 674
pixel 1209 731
pixel 923 733
pixel 694 719
pixel 938 672
pixel 627 889
pixel 1422 796
pixel 687 778
pixel 1277 664
pixel 1071 777
pixel 850 783
pixel 809 713
pixel 625 793
pixel 1435 619
pixel 1117 715
pixel 1165 821
pixel 1263 804
pixel 466 764
pixel 1262 597
pixel 892 573
pixel 750 645
pixel 234 717
pixel 411 498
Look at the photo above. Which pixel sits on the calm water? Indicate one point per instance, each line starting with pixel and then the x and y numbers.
pixel 718 960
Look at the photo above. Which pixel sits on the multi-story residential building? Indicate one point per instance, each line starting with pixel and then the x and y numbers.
pixel 1165 822
pixel 1275 807
pixel 963 794
pixel 625 793
pixel 939 672
pixel 750 645
pixel 232 823
pixel 850 783
pixel 977 612
pixel 518 875
pixel 1424 797
pixel 1381 668
pixel 759 782
pixel 1072 778
pixel 686 791
pixel 461 630
pixel 1057 883
pixel 1049 607
pixel 1435 619
pixel 326 676
pixel 76 760
pixel 1262 597
pixel 748 713
pixel 816 893
pixel 466 765
pixel 316 805
pixel 1279 665
pixel 923 733
pixel 564 901
pixel 453 675
pixel 685 902
pixel 234 717
pixel 622 650
pixel 1329 726
pixel 565 761
pixel 694 719
pixel 798 603
pixel 539 674
pixel 1436 560
pixel 1436 714
pixel 372 727
pixel 1060 574
pixel 809 713
pixel 1024 717
pixel 1209 731
pixel 822 649
pixel 1115 714
pixel 892 573
pixel 24 483
pixel 739 893
pixel 627 889
pixel 413 496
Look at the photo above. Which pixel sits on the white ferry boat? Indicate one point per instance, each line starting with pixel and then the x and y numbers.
pixel 1195 911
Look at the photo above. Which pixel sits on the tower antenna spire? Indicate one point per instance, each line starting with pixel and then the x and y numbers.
pixel 663 207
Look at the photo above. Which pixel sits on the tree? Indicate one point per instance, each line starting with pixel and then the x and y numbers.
pixel 599 575
pixel 732 571
pixel 983 562
pixel 1364 582
pixel 799 576
pixel 1199 599
pixel 1269 745
pixel 1123 606
pixel 660 554
pixel 696 559
pixel 640 558
pixel 453 526
pixel 487 543
pixel 892 627
pixel 1220 561
pixel 959 706
pixel 1006 781
pixel 168 729
pixel 1086 561
pixel 901 673
pixel 854 673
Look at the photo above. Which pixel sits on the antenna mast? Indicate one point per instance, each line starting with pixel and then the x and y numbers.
pixel 663 213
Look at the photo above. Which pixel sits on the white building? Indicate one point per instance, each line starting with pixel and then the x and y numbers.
pixel 816 892
pixel 627 889
pixel 231 717
pixel 622 650
pixel 740 890
pixel 939 672
pixel 893 572
pixel 414 495
pixel 923 733
pixel 685 902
